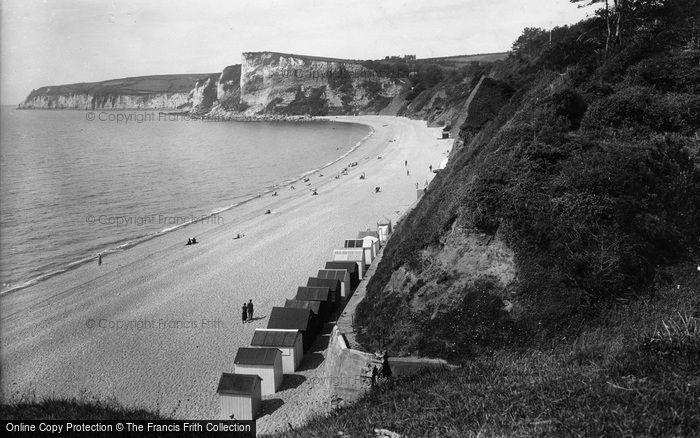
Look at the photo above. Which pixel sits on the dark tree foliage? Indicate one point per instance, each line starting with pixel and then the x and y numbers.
pixel 590 172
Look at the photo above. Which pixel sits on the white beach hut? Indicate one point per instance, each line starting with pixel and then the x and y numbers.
pixel 370 243
pixel 239 396
pixel 356 255
pixel 264 362
pixel 288 342
pixel 384 229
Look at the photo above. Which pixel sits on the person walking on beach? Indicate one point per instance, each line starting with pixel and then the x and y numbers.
pixel 244 315
pixel 430 167
pixel 405 163
pixel 99 259
pixel 408 172
pixel 250 310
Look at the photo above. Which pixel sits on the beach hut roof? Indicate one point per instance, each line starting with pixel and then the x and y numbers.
pixel 289 318
pixel 351 254
pixel 309 293
pixel 339 264
pixel 237 384
pixel 314 306
pixel 331 283
pixel 368 233
pixel 337 274
pixel 274 338
pixel 354 243
pixel 256 356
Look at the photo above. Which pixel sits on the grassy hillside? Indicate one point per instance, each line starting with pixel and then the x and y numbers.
pixel 590 174
pixel 132 86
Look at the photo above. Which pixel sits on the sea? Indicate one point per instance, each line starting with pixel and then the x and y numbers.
pixel 74 184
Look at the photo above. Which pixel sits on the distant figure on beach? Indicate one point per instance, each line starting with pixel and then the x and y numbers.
pixel 430 167
pixel 244 315
pixel 292 188
pixel 250 310
pixel 362 176
pixel 189 242
pixel 99 259
pixel 405 163
pixel 275 194
pixel 268 212
pixel 377 189
pixel 314 192
pixel 239 236
pixel 194 240
pixel 408 172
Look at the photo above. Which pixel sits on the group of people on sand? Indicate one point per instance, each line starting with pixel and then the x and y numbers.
pixel 247 312
pixel 192 241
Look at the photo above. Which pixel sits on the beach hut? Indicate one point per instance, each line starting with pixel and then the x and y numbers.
pixel 265 362
pixel 352 269
pixel 331 283
pixel 322 294
pixel 384 230
pixel 370 243
pixel 342 275
pixel 359 243
pixel 239 396
pixel 319 309
pixel 299 319
pixel 356 255
pixel 289 342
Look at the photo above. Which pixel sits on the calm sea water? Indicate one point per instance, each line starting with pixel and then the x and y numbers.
pixel 69 185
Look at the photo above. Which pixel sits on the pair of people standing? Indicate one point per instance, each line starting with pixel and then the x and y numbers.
pixel 247 311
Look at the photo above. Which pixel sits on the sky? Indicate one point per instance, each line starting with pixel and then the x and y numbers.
pixel 52 42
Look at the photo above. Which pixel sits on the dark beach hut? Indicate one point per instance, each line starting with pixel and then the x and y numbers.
pixel 341 275
pixel 291 318
pixel 322 294
pixel 349 266
pixel 319 308
pixel 332 284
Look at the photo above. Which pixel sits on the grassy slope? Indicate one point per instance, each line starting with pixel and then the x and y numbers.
pixel 84 408
pixel 136 85
pixel 625 374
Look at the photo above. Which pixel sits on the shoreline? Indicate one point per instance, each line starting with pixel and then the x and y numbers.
pixel 243 199
pixel 54 343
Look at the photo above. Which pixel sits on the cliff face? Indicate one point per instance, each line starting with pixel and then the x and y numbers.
pixel 144 92
pixel 270 83
pixel 293 84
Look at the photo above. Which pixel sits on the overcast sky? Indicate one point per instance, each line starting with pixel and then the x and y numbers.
pixel 51 42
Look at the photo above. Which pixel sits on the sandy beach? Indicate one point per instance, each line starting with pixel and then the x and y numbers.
pixel 156 325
